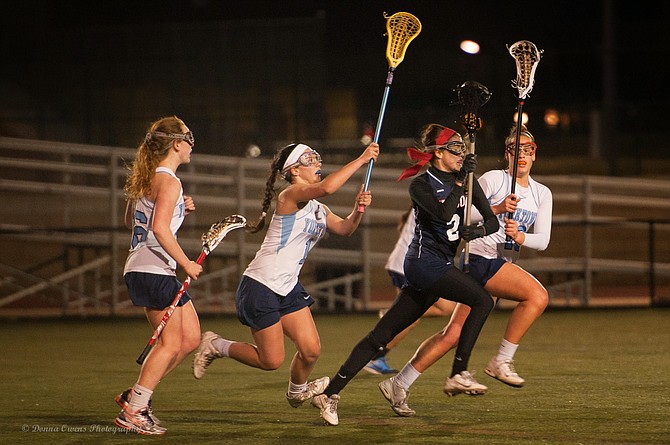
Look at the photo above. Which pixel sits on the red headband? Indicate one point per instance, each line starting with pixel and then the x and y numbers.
pixel 444 136
pixel 423 157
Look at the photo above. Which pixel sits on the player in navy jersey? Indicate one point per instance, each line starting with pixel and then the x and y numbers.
pixel 270 298
pixel 438 202
pixel 530 226
pixel 396 270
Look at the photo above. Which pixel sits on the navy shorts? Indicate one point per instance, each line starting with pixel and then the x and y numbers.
pixel 154 291
pixel 259 307
pixel 398 279
pixel 482 269
pixel 423 272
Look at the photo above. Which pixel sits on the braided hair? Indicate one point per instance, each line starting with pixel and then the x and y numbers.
pixel 270 190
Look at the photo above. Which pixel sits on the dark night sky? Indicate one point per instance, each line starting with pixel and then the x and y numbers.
pixel 569 32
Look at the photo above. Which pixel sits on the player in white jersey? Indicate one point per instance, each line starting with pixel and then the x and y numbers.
pixel 270 299
pixel 155 210
pixel 531 207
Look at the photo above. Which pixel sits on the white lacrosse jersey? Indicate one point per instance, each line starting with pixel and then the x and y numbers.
pixel 395 262
pixel 287 242
pixel 533 213
pixel 146 254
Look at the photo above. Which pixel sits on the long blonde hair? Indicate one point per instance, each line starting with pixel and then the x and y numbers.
pixel 150 153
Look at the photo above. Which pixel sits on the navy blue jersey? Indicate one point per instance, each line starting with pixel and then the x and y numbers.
pixel 437 220
pixel 439 207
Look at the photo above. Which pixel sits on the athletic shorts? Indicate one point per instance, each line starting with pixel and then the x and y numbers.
pixel 259 307
pixel 154 291
pixel 482 269
pixel 423 272
pixel 398 279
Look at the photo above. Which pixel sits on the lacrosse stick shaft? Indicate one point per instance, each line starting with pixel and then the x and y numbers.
pixel 468 207
pixel 168 314
pixel 378 130
pixel 509 243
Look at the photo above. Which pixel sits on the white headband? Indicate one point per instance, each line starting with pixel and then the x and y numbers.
pixel 295 155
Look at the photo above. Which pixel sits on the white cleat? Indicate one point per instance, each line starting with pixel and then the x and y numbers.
pixel 464 383
pixel 205 354
pixel 327 407
pixel 138 422
pixel 505 372
pixel 314 388
pixel 397 396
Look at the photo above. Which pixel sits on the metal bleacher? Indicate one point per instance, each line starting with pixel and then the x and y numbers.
pixel 64 244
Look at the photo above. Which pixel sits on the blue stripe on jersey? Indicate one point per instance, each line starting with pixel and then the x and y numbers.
pixel 287 222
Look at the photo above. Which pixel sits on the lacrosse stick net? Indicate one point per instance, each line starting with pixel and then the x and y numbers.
pixel 401 29
pixel 527 57
pixel 210 240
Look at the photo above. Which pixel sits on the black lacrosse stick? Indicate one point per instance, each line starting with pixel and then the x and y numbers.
pixel 471 96
pixel 527 56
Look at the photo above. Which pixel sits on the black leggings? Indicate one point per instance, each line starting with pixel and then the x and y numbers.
pixel 410 305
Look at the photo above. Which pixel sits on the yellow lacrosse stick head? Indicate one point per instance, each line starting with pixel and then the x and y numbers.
pixel 401 28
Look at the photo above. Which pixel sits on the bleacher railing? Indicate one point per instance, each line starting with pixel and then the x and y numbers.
pixel 66 201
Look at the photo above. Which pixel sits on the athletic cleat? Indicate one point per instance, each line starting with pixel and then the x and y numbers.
pixel 205 354
pixel 397 397
pixel 505 372
pixel 138 422
pixel 327 407
pixel 379 366
pixel 124 398
pixel 314 388
pixel 464 383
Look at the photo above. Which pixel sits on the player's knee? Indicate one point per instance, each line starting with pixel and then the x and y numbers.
pixel 377 340
pixel 271 363
pixel 311 354
pixel 449 337
pixel 487 303
pixel 540 299
pixel 190 342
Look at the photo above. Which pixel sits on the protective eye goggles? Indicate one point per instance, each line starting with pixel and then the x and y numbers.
pixel 188 137
pixel 306 159
pixel 527 149
pixel 456 148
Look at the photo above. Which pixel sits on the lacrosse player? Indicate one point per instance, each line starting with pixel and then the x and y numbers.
pixel 438 202
pixel 270 298
pixel 155 210
pixel 395 269
pixel 531 207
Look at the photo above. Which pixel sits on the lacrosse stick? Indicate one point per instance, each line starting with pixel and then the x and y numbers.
pixel 472 96
pixel 401 29
pixel 527 57
pixel 210 240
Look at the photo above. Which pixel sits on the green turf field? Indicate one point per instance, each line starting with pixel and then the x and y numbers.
pixel 592 377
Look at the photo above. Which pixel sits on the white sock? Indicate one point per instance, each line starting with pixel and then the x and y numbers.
pixel 139 397
pixel 222 345
pixel 506 351
pixel 296 389
pixel 407 376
